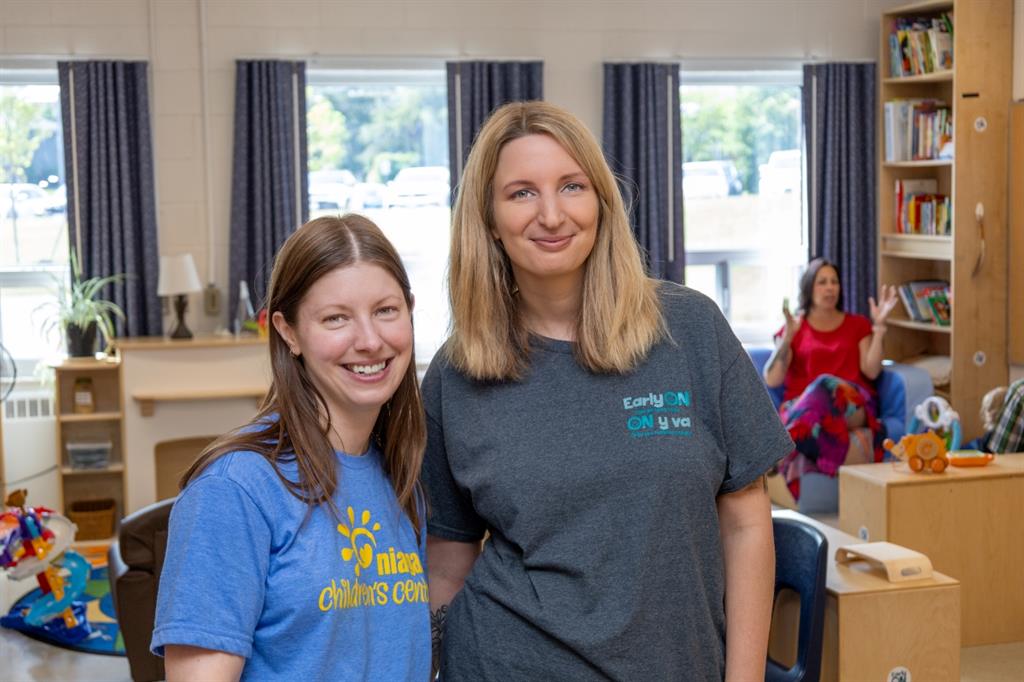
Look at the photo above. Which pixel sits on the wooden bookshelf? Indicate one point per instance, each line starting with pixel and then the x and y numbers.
pixel 920 326
pixel 976 87
pixel 933 77
pixel 104 424
pixel 927 163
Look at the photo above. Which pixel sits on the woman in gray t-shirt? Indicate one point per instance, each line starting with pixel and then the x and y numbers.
pixel 606 431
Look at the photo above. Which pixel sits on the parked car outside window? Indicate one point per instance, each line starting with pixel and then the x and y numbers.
pixel 781 175
pixel 330 189
pixel 420 186
pixel 22 199
pixel 705 180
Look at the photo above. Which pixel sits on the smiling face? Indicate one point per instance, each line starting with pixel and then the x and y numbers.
pixel 545 211
pixel 825 295
pixel 353 330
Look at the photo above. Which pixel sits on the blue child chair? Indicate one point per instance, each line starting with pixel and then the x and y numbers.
pixel 801 553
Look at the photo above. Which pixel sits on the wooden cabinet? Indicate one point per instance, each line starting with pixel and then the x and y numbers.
pixel 872 626
pixel 973 259
pixel 1016 312
pixel 966 520
pixel 92 430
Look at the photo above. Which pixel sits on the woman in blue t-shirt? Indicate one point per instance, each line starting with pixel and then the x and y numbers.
pixel 296 547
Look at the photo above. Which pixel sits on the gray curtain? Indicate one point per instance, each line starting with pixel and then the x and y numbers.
pixel 643 147
pixel 839 123
pixel 108 154
pixel 269 185
pixel 477 88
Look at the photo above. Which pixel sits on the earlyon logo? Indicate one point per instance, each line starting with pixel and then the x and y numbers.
pixel 361 538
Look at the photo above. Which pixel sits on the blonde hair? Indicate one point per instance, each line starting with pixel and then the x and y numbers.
pixel 991 406
pixel 293 422
pixel 620 316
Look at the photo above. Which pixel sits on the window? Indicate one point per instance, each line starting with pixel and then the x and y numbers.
pixel 33 211
pixel 378 145
pixel 743 193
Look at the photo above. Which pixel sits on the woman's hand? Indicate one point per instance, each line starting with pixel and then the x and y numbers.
pixel 792 322
pixel 886 302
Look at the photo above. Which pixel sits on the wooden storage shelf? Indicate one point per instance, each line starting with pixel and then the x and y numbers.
pixel 923 7
pixel 976 340
pixel 112 469
pixel 933 77
pixel 920 326
pixel 102 426
pixel 930 247
pixel 922 163
pixel 90 417
pixel 147 399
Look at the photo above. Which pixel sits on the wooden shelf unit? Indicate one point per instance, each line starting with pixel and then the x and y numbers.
pixel 103 425
pixel 978 86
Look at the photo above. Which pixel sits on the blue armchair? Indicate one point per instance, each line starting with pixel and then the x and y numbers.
pixel 900 389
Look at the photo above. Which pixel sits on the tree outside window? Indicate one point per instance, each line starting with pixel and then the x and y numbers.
pixel 378 145
pixel 743 195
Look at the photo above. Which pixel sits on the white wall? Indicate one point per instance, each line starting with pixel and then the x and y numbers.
pixel 573 37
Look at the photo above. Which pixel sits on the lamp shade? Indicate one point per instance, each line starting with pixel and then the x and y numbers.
pixel 177 275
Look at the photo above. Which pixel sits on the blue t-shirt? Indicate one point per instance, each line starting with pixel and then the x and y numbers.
pixel 246 572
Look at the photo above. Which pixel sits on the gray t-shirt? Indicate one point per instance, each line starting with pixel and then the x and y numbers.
pixel 598 491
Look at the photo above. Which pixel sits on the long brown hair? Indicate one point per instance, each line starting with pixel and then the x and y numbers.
pixel 620 316
pixel 293 421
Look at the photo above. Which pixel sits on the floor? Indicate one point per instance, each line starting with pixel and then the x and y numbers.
pixel 23 660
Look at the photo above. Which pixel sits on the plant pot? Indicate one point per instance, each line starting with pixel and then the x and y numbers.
pixel 81 342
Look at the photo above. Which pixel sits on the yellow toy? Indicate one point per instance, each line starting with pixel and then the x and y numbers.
pixel 920 450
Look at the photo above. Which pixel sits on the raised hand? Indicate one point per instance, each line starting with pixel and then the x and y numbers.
pixel 792 321
pixel 886 302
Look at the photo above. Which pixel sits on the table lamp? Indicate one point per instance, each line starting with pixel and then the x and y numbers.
pixel 178 278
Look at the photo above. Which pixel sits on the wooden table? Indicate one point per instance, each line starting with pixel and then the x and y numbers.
pixel 872 626
pixel 970 523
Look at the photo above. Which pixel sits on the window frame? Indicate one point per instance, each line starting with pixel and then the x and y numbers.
pixel 15 72
pixel 782 73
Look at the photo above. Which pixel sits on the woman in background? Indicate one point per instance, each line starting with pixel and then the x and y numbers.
pixel 827 361
pixel 607 430
pixel 296 547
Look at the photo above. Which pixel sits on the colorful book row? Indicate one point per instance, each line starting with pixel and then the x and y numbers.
pixel 917 130
pixel 920 45
pixel 920 209
pixel 927 301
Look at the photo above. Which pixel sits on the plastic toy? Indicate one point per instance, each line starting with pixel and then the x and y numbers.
pixel 920 451
pixel 938 415
pixel 32 541
pixel 970 458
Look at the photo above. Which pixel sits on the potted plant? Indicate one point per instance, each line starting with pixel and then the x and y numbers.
pixel 80 314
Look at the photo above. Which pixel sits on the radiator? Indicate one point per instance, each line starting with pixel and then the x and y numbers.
pixel 30 446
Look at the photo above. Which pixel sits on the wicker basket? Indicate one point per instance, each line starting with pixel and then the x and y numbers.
pixel 94 518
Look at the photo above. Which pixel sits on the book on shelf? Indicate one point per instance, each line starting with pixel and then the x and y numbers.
pixel 917 130
pixel 920 209
pixel 926 301
pixel 921 45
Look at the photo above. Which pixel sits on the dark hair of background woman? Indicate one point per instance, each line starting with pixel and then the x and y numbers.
pixel 807 284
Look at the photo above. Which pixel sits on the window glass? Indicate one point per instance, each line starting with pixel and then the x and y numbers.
pixel 378 145
pixel 743 195
pixel 33 212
